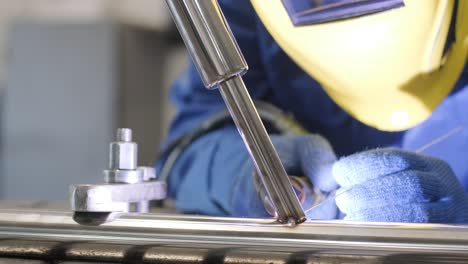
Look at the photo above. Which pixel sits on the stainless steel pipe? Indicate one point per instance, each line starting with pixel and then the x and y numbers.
pixel 189 239
pixel 221 64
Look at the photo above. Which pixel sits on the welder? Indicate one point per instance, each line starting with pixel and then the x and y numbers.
pixel 369 81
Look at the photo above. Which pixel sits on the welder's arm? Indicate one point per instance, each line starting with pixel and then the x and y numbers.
pixel 204 178
pixel 216 176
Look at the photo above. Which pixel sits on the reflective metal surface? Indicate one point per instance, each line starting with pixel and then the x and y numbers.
pixel 262 151
pixel 114 197
pixel 189 239
pixel 208 39
pixel 220 63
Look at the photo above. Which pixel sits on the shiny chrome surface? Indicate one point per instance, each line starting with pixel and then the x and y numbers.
pixel 237 231
pixel 262 151
pixel 191 239
pixel 220 62
pixel 123 152
pixel 209 40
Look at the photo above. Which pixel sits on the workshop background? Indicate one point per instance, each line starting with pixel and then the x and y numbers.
pixel 71 72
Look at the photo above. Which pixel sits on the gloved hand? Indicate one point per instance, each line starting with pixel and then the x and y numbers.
pixel 306 155
pixel 393 185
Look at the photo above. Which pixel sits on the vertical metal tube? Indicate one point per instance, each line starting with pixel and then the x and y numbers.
pixel 220 63
pixel 262 151
pixel 208 39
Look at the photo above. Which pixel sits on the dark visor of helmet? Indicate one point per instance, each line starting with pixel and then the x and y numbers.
pixel 309 12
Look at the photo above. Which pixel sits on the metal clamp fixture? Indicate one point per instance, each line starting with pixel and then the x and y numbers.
pixel 127 188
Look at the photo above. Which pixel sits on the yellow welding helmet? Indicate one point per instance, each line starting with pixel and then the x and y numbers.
pixel 388 63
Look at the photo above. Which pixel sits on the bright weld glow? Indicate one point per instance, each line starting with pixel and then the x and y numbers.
pixel 399 118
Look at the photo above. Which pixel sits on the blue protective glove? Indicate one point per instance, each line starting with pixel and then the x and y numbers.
pixel 306 155
pixel 393 185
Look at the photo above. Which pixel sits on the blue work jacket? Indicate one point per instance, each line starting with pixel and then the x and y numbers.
pixel 202 179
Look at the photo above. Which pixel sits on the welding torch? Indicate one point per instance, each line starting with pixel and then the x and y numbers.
pixel 221 65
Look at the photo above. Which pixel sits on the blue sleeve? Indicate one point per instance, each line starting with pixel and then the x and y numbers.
pixel 201 178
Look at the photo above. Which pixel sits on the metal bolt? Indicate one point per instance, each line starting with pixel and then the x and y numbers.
pixel 124 134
